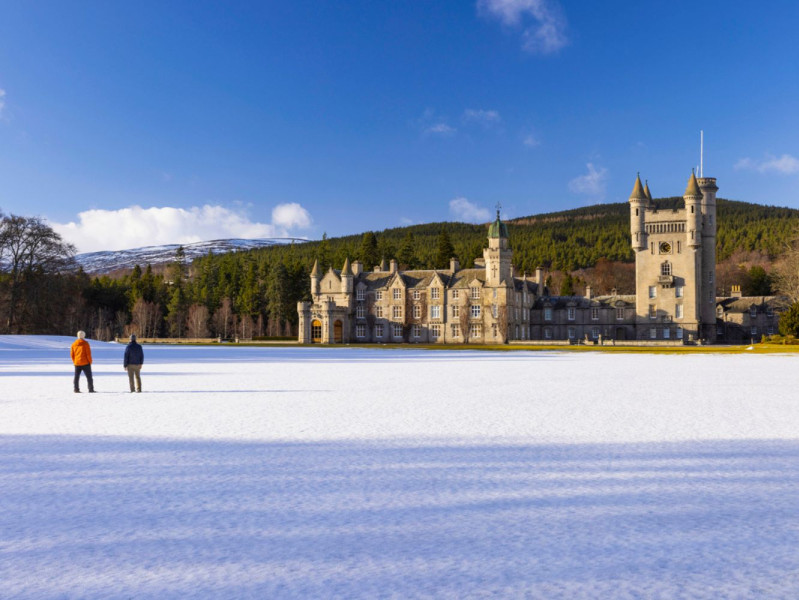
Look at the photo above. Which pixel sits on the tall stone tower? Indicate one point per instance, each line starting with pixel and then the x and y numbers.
pixel 498 255
pixel 675 263
pixel 708 187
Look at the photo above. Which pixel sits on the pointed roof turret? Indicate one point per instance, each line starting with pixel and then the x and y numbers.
pixel 693 186
pixel 315 270
pixel 346 270
pixel 638 190
pixel 646 191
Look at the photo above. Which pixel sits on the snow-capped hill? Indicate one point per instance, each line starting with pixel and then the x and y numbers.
pixel 112 260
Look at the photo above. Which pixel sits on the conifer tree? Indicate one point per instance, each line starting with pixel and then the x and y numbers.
pixel 444 250
pixel 406 254
pixel 368 253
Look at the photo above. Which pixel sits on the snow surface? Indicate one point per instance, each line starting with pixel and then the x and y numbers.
pixel 246 472
pixel 106 261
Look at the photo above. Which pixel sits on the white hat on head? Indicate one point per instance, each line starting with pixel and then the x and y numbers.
pixel 81 334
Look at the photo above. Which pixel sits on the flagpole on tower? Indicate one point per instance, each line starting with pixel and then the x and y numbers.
pixel 701 152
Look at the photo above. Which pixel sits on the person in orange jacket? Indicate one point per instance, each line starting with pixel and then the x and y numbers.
pixel 82 359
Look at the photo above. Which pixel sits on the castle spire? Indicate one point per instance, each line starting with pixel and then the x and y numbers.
pixel 315 270
pixel 646 191
pixel 638 190
pixel 693 186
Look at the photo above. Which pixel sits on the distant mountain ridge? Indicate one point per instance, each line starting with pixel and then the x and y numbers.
pixel 98 263
pixel 562 240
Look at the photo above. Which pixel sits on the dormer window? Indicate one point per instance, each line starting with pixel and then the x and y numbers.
pixel 397 294
pixel 379 295
pixel 359 294
pixel 416 294
pixel 475 293
pixel 435 293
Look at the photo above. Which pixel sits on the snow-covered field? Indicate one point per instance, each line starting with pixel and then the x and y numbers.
pixel 360 473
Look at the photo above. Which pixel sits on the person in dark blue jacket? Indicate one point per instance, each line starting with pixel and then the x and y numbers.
pixel 134 359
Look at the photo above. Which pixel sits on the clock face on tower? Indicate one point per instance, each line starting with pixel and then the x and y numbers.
pixel 665 248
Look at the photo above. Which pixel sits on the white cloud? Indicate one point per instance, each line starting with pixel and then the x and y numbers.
pixel 543 23
pixel 486 118
pixel 291 216
pixel 785 164
pixel 406 221
pixel 135 226
pixel 441 129
pixel 2 100
pixel 463 210
pixel 592 183
pixel 530 141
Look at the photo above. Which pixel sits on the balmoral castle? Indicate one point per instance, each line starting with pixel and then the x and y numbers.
pixel 675 298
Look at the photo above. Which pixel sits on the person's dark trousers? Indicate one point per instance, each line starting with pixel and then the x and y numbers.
pixel 87 370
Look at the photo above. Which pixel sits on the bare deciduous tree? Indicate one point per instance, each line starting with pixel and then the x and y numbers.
pixel 146 317
pixel 28 247
pixel 246 327
pixel 223 318
pixel 787 272
pixel 464 315
pixel 197 321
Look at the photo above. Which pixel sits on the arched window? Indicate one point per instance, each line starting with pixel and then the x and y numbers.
pixel 665 268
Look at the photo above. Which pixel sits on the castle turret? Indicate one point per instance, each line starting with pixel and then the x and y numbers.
pixel 638 205
pixel 315 278
pixel 650 204
pixel 693 210
pixel 498 255
pixel 346 277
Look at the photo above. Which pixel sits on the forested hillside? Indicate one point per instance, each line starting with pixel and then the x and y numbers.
pixel 255 292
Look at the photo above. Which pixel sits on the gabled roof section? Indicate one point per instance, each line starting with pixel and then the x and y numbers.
pixel 397 277
pixel 462 278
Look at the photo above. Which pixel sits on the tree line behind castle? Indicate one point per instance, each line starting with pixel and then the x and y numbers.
pixel 255 293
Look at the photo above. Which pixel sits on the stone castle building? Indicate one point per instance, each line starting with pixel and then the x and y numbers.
pixel 675 299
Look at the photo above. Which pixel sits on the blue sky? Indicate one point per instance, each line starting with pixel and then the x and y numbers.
pixel 129 123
